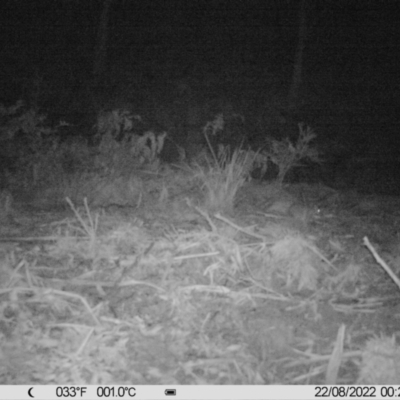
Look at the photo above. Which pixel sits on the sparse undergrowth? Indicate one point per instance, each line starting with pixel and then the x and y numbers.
pixel 148 276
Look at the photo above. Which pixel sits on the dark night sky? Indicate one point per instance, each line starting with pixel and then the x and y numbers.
pixel 352 48
pixel 343 33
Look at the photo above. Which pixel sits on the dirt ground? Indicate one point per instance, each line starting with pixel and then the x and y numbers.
pixel 166 292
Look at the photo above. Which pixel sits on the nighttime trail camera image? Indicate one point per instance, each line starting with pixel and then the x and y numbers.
pixel 199 192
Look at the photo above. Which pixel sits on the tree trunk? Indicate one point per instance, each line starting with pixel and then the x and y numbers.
pixel 297 77
pixel 100 56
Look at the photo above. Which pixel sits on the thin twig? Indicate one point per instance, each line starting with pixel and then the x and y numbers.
pixel 381 262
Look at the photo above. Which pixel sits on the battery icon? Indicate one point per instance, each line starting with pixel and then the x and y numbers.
pixel 170 392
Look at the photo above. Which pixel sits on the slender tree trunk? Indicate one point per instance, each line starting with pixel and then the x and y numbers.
pixel 297 76
pixel 100 56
